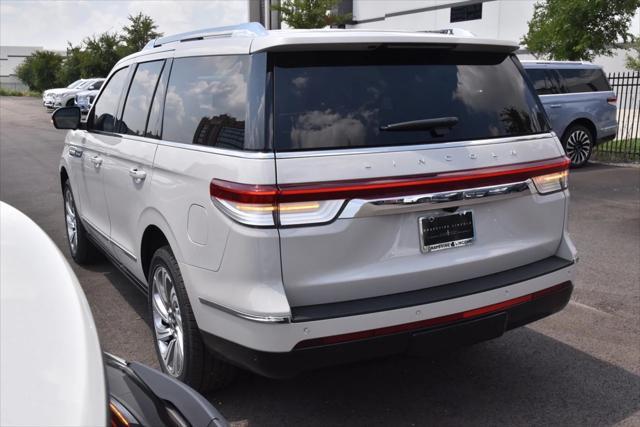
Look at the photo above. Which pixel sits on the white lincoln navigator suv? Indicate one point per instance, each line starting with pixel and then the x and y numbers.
pixel 295 199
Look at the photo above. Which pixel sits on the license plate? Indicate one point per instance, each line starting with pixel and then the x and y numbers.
pixel 439 232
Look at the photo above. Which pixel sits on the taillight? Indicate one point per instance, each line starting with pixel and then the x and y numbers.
pixel 119 415
pixel 320 202
pixel 552 182
pixel 261 205
pixel 613 100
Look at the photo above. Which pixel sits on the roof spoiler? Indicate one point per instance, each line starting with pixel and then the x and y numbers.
pixel 252 29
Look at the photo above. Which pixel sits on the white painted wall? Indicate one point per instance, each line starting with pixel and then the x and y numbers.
pixel 501 19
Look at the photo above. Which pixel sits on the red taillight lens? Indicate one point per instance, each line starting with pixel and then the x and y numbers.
pixel 320 202
pixel 612 100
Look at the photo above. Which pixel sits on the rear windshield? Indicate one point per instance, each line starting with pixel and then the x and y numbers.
pixel 325 100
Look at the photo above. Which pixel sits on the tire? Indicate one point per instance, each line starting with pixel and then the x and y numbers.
pixel 175 329
pixel 82 250
pixel 578 143
pixel 70 103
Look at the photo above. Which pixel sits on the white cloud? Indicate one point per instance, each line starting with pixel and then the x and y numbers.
pixel 52 23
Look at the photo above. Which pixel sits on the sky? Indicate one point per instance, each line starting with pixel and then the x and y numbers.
pixel 51 23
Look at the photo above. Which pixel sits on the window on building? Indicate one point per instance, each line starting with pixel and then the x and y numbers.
pixel 466 13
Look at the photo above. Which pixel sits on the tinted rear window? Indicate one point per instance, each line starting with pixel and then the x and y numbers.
pixel 328 100
pixel 206 101
pixel 584 80
pixel 542 81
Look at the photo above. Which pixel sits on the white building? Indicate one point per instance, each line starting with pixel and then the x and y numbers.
pixel 500 19
pixel 10 58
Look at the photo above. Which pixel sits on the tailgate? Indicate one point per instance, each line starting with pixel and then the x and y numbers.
pixel 383 157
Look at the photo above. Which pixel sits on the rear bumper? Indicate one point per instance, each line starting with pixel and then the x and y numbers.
pixel 417 338
pixel 607 133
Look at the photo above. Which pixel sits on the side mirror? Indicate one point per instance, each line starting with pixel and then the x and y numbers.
pixel 66 118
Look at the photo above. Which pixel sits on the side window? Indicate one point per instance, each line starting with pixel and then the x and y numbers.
pixel 556 82
pixel 136 107
pixel 206 101
pixel 105 108
pixel 538 77
pixel 584 80
pixel 154 124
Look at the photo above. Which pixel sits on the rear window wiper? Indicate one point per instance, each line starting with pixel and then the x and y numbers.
pixel 438 125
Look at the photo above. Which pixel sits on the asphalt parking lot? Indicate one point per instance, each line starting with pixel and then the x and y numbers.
pixel 578 367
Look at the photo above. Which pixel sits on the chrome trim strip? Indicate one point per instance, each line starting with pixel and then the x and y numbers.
pixel 109 239
pixel 246 316
pixel 357 208
pixel 212 150
pixel 399 148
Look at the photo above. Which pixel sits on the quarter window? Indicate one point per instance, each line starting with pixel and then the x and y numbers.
pixel 136 108
pixel 106 107
pixel 584 80
pixel 206 101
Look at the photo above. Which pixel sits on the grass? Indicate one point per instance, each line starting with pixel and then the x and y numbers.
pixel 624 150
pixel 11 92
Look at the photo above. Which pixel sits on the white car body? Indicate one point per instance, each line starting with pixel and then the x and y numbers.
pixel 259 287
pixel 60 97
pixel 51 370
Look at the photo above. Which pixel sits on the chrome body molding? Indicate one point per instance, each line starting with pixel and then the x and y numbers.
pixel 417 147
pixel 247 316
pixel 109 239
pixel 356 208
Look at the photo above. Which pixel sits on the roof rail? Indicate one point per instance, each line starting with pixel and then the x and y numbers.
pixel 251 29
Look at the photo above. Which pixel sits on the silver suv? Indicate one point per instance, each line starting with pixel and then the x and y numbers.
pixel 295 199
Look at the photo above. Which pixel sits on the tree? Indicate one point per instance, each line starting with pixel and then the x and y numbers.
pixel 100 54
pixel 579 29
pixel 40 70
pixel 311 13
pixel 140 31
pixel 633 63
pixel 71 69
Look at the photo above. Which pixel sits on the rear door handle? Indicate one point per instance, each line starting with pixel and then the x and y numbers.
pixel 75 152
pixel 97 161
pixel 555 106
pixel 137 174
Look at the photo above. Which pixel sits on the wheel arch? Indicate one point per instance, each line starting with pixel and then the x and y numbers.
pixel 583 121
pixel 156 234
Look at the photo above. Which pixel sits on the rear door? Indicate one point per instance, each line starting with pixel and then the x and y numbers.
pixel 547 85
pixel 130 161
pixel 406 169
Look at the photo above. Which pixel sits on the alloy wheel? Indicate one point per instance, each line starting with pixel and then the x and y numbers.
pixel 167 321
pixel 71 220
pixel 578 147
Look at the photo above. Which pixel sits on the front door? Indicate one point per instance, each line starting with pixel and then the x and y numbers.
pixel 95 163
